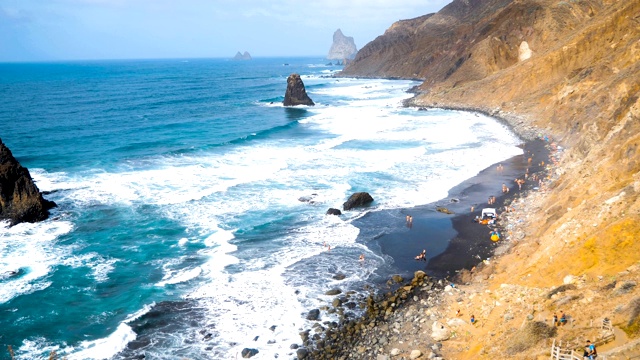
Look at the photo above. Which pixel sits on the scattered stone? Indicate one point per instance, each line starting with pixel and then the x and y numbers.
pixel 444 210
pixel 339 276
pixel 333 211
pixel 395 352
pixel 302 353
pixel 415 354
pixel 333 292
pixel 313 314
pixel 247 353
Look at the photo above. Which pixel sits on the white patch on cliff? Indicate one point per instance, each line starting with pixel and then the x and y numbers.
pixel 524 52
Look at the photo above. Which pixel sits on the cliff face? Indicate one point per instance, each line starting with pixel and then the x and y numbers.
pixel 567 69
pixel 343 47
pixel 20 199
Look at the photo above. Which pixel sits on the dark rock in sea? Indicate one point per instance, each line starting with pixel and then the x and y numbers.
pixel 333 211
pixel 308 198
pixel 313 314
pixel 294 346
pixel 256 338
pixel 247 353
pixel 357 199
pixel 333 292
pixel 20 198
pixel 272 328
pixel 339 276
pixel 296 94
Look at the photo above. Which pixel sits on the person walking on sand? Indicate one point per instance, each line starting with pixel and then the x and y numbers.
pixel 555 319
pixel 473 320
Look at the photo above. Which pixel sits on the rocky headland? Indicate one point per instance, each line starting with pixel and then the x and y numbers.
pixel 20 199
pixel 567 72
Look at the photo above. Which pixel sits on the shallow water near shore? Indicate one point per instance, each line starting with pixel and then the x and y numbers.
pixel 179 230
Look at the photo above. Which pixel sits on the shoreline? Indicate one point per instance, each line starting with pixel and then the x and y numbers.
pixel 470 246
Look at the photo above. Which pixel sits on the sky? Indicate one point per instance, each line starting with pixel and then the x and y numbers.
pixel 40 30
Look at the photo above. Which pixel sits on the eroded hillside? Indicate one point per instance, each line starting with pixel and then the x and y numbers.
pixel 566 69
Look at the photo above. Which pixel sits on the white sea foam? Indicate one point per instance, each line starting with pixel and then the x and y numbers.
pixel 104 348
pixel 30 250
pixel 365 141
pixel 145 309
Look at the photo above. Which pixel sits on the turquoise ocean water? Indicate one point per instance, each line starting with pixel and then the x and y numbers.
pixel 179 230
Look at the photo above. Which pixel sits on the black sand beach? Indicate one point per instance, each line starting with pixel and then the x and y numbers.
pixel 453 241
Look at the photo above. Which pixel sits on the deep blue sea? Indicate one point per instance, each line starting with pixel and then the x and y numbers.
pixel 180 230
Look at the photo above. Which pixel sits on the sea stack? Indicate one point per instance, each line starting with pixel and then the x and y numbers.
pixel 296 93
pixel 242 56
pixel 20 198
pixel 342 48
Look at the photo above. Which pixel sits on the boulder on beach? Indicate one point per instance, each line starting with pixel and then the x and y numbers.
pixel 444 210
pixel 439 332
pixel 313 314
pixel 20 198
pixel 296 94
pixel 357 199
pixel 247 353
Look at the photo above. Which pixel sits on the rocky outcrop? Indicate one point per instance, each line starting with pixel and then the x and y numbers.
pixel 296 94
pixel 357 199
pixel 343 47
pixel 242 56
pixel 20 199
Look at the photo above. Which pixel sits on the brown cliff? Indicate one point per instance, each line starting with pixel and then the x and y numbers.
pixel 20 199
pixel 567 69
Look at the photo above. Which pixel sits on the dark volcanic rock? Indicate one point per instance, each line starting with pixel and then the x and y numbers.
pixel 20 199
pixel 296 93
pixel 313 314
pixel 247 353
pixel 333 211
pixel 357 199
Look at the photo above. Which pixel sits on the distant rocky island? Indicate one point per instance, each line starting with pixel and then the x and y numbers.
pixel 343 47
pixel 242 56
pixel 20 198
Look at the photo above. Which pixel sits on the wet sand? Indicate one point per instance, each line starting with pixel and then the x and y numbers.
pixel 454 241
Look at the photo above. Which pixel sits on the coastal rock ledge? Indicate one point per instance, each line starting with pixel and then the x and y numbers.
pixel 356 200
pixel 296 94
pixel 20 198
